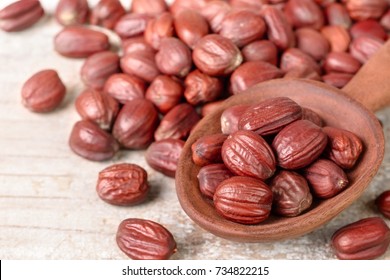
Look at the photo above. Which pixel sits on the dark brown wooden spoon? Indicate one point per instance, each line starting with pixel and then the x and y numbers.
pixel 339 108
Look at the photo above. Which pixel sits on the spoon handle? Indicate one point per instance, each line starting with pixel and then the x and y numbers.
pixel 371 85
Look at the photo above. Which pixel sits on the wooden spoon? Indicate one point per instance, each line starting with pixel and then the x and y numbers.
pixel 339 108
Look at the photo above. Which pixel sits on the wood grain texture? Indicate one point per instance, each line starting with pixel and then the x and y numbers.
pixel 48 205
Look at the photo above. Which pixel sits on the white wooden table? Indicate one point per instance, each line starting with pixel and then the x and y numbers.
pixel 48 205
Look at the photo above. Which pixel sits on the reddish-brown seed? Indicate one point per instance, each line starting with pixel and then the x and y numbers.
pixel 246 153
pixel 71 12
pixel 364 239
pixel 43 91
pixel 279 30
pixel 123 184
pixel 80 41
pixel 216 55
pixel 98 67
pixel 136 44
pixel 310 115
pixel 210 176
pixel 131 25
pixel 383 203
pixel 304 13
pixel 344 147
pixel 337 14
pixel 296 59
pixel 270 116
pixel 261 50
pixel 341 62
pixel 163 155
pixel 365 9
pixel 338 37
pixel 291 194
pixel 243 200
pixel 106 13
pixel 148 7
pixel 98 107
pixel 201 88
pixel 214 12
pixel 338 80
pixel 159 28
pixel 135 124
pixel 123 87
pixel 312 42
pixel 230 118
pixel 252 72
pixel 367 28
pixel 207 149
pixel 20 15
pixel 145 240
pixel 190 27
pixel 326 179
pixel 362 48
pixel 177 123
pixel 90 141
pixel 174 57
pixel 165 92
pixel 140 64
pixel 299 144
pixel 242 27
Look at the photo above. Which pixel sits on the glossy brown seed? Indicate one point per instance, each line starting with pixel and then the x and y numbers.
pixel 312 42
pixel 20 15
pixel 338 80
pixel 98 107
pixel 243 200
pixel 344 147
pixel 79 41
pixel 177 123
pixel 210 107
pixel 341 62
pixel 98 67
pixel 338 37
pixel 326 178
pixel 261 50
pixel 367 28
pixel 159 28
pixel 106 13
pixel 242 27
pixel 165 92
pixel 148 7
pixel 136 44
pixel 123 87
pixel 364 239
pixel 291 194
pixel 210 176
pixel 303 73
pixel 145 240
pixel 296 59
pixel 140 64
pixel 43 91
pixel 337 14
pixel 207 149
pixel 252 72
pixel 246 153
pixel 362 48
pixel 230 118
pixel 201 88
pixel 216 55
pixel 214 12
pixel 163 155
pixel 279 30
pixel 299 144
pixel 304 13
pixel 383 203
pixel 270 116
pixel 365 9
pixel 123 184
pixel 71 12
pixel 90 141
pixel 135 124
pixel 130 25
pixel 190 27
pixel 174 57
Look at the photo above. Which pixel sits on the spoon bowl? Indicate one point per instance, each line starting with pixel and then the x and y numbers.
pixel 336 109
